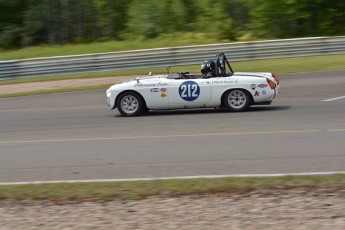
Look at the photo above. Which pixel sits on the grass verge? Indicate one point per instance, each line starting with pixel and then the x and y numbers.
pixel 101 192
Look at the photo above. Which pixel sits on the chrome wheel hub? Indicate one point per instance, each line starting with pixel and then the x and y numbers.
pixel 237 99
pixel 129 104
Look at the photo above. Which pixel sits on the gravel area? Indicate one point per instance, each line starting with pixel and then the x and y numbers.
pixel 293 209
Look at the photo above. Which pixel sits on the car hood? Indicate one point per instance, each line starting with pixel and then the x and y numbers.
pixel 140 80
pixel 157 77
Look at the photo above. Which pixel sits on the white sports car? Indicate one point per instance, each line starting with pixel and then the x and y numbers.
pixel 234 91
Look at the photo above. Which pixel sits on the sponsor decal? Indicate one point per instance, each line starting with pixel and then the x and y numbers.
pixel 189 90
pixel 164 95
pixel 253 86
pixel 262 85
pixel 154 90
pixel 256 94
pixel 263 92
pixel 163 90
pixel 160 84
pixel 221 81
pixel 144 85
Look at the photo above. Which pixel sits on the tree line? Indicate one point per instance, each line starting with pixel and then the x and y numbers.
pixel 32 22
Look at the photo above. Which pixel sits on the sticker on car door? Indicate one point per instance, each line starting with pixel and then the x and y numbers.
pixel 189 90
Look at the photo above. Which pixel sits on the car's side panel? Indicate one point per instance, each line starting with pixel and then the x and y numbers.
pixel 257 87
pixel 219 86
pixel 155 92
pixel 189 93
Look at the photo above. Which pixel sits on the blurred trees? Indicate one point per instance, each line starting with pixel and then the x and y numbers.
pixel 152 18
pixel 297 18
pixel 30 22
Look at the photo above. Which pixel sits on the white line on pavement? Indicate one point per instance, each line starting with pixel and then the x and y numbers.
pixel 175 178
pixel 166 136
pixel 334 99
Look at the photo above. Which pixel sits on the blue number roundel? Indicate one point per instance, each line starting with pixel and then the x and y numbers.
pixel 189 90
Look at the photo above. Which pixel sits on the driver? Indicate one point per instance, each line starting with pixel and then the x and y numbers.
pixel 208 69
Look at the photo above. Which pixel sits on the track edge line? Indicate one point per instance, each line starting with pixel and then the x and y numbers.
pixel 172 178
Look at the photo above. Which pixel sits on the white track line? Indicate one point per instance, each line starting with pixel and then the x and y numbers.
pixel 173 135
pixel 174 178
pixel 334 99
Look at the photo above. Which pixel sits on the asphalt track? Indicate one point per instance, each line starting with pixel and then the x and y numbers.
pixel 74 136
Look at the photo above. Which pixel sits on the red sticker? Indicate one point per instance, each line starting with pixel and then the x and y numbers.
pixel 262 85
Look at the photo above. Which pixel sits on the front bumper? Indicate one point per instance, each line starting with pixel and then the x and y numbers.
pixel 108 101
pixel 111 97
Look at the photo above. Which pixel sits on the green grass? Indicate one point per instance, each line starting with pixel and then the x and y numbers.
pixel 293 65
pixel 78 192
pixel 172 40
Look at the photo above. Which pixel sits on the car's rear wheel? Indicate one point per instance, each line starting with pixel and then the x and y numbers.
pixel 130 104
pixel 237 100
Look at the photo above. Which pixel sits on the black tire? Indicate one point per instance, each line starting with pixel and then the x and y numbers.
pixel 145 110
pixel 130 104
pixel 237 100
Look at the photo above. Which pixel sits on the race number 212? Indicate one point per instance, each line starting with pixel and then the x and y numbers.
pixel 189 91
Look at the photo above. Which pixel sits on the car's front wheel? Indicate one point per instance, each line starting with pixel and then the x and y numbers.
pixel 237 100
pixel 130 104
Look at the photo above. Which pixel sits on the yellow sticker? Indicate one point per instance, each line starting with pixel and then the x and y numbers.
pixel 164 95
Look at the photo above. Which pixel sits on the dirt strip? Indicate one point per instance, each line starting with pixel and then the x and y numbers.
pixel 60 84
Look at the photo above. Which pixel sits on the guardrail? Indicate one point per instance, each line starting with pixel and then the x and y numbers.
pixel 186 55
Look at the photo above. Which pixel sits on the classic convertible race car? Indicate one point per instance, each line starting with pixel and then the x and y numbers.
pixel 218 86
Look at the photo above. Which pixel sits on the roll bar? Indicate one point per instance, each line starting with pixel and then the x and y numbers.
pixel 221 66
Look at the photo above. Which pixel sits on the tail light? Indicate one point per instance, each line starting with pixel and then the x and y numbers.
pixel 270 83
pixel 275 78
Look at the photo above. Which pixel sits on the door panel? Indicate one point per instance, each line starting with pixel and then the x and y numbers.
pixel 188 93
